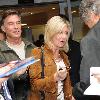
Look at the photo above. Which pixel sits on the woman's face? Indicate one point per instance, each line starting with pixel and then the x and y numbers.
pixel 59 40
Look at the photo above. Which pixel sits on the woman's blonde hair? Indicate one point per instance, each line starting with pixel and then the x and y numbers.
pixel 54 26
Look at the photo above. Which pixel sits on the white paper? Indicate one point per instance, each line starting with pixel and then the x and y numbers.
pixel 94 88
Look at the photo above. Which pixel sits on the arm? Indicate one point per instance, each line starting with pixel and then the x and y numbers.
pixel 46 84
pixel 4 69
pixel 90 57
pixel 4 59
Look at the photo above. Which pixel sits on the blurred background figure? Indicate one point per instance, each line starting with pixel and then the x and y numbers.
pixel 74 56
pixel 40 41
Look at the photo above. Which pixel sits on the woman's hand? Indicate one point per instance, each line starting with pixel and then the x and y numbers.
pixel 60 75
pixel 73 98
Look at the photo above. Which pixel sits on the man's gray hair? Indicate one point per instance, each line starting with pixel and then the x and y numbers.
pixel 88 6
pixel 97 3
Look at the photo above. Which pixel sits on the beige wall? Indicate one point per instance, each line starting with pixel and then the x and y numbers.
pixel 80 29
pixel 37 30
pixel 77 29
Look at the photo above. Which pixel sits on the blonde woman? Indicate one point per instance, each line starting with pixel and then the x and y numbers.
pixel 55 84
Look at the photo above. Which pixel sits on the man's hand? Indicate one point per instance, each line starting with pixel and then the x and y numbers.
pixel 5 67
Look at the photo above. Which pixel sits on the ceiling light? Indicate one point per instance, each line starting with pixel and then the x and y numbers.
pixel 74 11
pixel 53 8
pixel 23 24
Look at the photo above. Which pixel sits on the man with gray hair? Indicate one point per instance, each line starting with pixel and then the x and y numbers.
pixel 90 46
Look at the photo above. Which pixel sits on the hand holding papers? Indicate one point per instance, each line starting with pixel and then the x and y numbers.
pixel 3 70
pixel 94 88
pixel 17 65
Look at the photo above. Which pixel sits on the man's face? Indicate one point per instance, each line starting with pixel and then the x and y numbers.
pixel 92 20
pixel 12 26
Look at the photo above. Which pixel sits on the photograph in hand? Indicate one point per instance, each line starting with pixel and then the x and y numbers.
pixel 15 66
pixel 94 88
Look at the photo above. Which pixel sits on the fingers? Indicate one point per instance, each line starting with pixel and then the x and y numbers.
pixel 62 72
pixel 2 80
pixel 22 71
pixel 12 64
pixel 60 75
pixel 3 64
pixel 4 69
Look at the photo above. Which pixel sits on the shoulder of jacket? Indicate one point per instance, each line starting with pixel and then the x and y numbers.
pixel 2 44
pixel 28 43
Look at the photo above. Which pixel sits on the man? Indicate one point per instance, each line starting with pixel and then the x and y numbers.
pixel 14 48
pixel 90 45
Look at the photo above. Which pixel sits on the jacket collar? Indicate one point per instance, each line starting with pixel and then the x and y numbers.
pixel 62 53
pixel 27 43
pixel 50 52
pixel 4 47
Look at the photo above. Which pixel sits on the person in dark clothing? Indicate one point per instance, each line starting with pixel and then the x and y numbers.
pixel 74 56
pixel 40 41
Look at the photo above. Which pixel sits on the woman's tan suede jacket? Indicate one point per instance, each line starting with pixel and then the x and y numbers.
pixel 48 84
